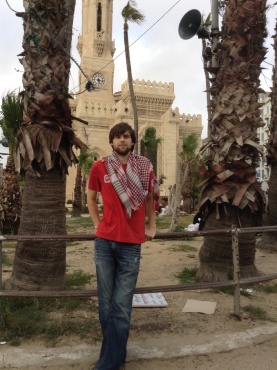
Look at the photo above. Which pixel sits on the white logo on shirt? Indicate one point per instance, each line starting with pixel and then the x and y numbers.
pixel 107 179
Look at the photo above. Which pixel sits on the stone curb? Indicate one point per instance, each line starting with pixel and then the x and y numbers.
pixel 165 347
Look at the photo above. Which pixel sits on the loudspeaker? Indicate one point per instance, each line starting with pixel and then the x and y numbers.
pixel 190 25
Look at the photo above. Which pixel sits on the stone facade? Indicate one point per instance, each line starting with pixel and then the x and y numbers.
pixel 102 108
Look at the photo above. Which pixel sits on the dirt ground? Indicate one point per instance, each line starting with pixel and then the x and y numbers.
pixel 161 261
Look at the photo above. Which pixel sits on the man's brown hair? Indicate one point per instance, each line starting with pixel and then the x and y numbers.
pixel 120 129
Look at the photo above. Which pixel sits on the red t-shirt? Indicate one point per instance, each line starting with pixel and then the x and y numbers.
pixel 114 224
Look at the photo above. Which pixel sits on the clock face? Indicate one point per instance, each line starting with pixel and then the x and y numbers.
pixel 98 79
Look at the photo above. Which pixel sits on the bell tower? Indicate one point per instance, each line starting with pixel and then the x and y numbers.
pixel 96 49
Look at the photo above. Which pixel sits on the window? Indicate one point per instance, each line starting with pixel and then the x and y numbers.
pixel 99 17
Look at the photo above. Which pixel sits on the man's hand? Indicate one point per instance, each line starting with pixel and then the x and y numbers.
pixel 150 233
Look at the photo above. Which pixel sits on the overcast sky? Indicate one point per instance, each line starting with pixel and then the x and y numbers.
pixel 159 55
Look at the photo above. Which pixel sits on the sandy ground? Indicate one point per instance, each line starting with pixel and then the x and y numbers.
pixel 161 261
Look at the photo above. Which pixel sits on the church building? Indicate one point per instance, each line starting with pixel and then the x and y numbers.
pixel 103 108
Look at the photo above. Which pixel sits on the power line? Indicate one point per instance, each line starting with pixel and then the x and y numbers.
pixel 10 7
pixel 266 78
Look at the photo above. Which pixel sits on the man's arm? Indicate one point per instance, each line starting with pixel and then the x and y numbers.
pixel 150 231
pixel 92 207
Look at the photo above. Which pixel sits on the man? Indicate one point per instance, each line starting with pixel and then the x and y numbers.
pixel 127 184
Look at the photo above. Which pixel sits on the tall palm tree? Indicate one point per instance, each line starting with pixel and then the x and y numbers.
pixel 230 188
pixel 188 153
pixel 131 14
pixel 44 143
pixel 86 160
pixel 269 240
pixel 10 197
pixel 77 194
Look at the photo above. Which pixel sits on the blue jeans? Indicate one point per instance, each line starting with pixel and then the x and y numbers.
pixel 117 268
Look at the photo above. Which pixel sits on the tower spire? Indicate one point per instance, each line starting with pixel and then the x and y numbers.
pixel 97 56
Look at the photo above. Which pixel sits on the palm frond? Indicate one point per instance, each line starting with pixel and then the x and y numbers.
pixel 131 14
pixel 11 116
pixel 189 146
pixel 86 160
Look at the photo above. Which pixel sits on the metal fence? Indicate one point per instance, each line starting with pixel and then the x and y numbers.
pixel 234 232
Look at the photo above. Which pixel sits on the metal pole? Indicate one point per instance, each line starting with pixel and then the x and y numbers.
pixel 1 262
pixel 214 32
pixel 235 250
pixel 214 62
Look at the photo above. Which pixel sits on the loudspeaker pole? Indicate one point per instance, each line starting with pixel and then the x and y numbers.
pixel 214 32
pixel 214 37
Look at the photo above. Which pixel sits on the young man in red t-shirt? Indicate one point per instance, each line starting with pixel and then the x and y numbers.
pixel 128 187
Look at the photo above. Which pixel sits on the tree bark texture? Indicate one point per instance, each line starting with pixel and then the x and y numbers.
pixel 10 200
pixel 77 201
pixel 216 260
pixel 40 265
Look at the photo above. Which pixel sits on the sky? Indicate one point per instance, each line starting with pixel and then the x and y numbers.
pixel 158 53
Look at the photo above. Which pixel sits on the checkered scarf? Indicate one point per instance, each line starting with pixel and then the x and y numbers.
pixel 132 186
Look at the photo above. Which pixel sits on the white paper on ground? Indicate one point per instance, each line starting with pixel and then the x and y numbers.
pixel 206 307
pixel 149 300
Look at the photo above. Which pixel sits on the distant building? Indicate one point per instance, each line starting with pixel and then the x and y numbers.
pixel 103 108
pixel 263 171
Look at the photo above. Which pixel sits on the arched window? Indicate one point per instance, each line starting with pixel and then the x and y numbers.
pixel 99 17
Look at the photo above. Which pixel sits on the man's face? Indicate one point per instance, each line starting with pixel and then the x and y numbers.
pixel 122 143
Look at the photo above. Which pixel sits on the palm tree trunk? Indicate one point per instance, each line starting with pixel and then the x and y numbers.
pixel 77 201
pixel 181 178
pixel 230 178
pixel 171 199
pixel 41 264
pixel 44 144
pixel 131 86
pixel 84 188
pixel 216 262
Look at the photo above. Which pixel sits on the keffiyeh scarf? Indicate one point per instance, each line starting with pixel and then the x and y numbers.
pixel 131 186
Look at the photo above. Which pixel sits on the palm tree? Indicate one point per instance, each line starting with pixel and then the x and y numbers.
pixel 230 191
pixel 131 14
pixel 86 160
pixel 10 197
pixel 188 155
pixel 149 146
pixel 191 190
pixel 269 240
pixel 77 194
pixel 189 147
pixel 44 143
